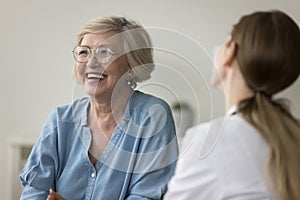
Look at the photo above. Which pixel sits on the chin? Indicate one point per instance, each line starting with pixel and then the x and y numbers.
pixel 215 83
pixel 91 91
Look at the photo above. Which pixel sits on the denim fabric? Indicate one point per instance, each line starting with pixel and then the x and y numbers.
pixel 137 163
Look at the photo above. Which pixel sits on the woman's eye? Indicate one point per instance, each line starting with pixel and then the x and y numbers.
pixel 105 52
pixel 83 53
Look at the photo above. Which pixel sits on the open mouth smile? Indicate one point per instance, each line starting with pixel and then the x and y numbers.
pixel 96 76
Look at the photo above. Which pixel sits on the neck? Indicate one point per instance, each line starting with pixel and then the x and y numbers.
pixel 235 88
pixel 109 111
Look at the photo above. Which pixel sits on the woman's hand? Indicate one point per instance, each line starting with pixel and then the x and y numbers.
pixel 54 195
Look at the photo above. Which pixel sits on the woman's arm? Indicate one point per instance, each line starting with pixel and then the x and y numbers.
pixel 158 152
pixel 38 175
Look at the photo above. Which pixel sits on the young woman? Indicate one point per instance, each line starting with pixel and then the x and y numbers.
pixel 254 151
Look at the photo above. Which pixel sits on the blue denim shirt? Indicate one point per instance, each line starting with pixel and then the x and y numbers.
pixel 137 163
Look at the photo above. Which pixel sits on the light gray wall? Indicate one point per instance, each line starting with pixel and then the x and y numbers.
pixel 37 37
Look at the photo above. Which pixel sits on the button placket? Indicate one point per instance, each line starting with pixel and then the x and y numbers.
pixel 91 182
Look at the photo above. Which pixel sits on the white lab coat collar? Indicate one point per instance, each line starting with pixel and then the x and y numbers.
pixel 232 111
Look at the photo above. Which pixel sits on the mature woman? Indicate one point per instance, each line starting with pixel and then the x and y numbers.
pixel 118 143
pixel 254 151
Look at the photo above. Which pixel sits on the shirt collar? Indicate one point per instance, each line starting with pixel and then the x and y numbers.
pixel 232 111
pixel 130 105
pixel 80 111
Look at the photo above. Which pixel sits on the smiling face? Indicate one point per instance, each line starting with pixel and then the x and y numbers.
pixel 99 80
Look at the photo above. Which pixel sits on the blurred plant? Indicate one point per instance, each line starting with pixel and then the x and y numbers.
pixel 180 106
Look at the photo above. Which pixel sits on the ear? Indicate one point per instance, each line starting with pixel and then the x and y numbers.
pixel 229 53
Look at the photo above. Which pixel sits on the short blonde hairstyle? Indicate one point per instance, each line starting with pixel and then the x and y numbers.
pixel 137 42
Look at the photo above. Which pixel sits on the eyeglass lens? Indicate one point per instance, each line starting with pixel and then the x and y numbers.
pixel 83 54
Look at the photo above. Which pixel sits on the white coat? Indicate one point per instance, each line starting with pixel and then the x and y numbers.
pixel 226 158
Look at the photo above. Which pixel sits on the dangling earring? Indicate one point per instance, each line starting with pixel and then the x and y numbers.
pixel 130 79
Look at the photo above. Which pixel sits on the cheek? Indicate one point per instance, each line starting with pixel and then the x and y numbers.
pixel 119 67
pixel 217 58
pixel 216 72
pixel 79 72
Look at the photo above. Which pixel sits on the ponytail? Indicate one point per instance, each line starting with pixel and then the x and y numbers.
pixel 282 133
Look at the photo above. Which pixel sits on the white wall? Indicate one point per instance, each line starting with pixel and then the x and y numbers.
pixel 37 37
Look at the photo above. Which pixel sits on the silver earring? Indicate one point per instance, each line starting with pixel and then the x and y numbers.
pixel 130 79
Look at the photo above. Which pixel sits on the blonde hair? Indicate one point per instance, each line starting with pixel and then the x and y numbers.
pixel 268 46
pixel 137 43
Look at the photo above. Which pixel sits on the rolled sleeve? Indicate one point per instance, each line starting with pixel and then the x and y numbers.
pixel 38 175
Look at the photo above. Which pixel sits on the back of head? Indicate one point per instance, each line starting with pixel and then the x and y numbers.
pixel 268 49
pixel 136 42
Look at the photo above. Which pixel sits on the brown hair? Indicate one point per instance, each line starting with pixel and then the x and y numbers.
pixel 137 42
pixel 268 49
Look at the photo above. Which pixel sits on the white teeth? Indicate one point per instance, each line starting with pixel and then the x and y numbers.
pixel 95 76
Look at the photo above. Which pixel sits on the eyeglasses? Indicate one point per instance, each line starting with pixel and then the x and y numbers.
pixel 83 54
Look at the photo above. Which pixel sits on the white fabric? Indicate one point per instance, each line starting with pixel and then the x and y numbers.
pixel 223 159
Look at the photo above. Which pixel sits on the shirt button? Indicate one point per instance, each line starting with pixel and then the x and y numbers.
pixel 93 175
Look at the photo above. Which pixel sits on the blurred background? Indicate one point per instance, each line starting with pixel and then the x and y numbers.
pixel 37 37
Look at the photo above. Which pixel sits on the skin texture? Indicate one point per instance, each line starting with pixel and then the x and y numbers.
pixel 54 195
pixel 227 75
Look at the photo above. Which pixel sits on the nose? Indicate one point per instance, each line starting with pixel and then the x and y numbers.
pixel 93 62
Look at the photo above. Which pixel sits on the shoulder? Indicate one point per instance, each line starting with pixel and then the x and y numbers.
pixel 72 112
pixel 202 129
pixel 221 152
pixel 206 137
pixel 203 138
pixel 151 117
pixel 196 136
pixel 146 103
pixel 144 100
pixel 225 125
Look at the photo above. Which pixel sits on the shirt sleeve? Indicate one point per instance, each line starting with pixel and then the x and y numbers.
pixel 38 175
pixel 156 160
pixel 194 176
